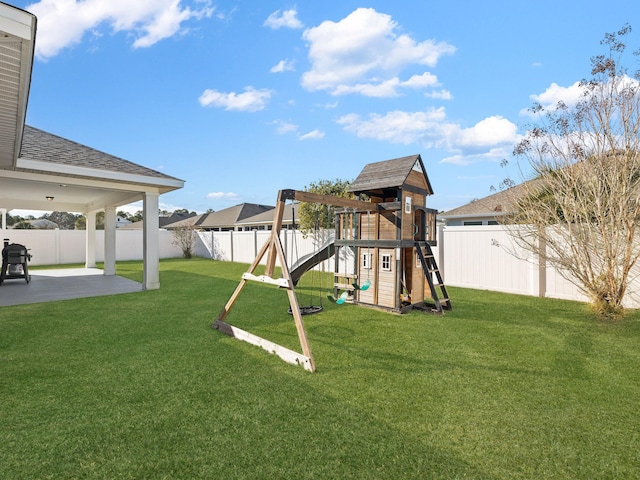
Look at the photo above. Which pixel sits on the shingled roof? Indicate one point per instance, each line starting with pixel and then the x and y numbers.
pixel 497 204
pixel 388 175
pixel 42 146
pixel 229 217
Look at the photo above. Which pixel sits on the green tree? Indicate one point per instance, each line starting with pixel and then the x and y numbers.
pixel 136 217
pixel 64 220
pixel 581 213
pixel 313 216
pixel 23 225
pixel 14 219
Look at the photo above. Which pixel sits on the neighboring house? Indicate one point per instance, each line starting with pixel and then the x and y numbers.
pixel 264 220
pixel 191 221
pixel 483 211
pixel 121 221
pixel 163 222
pixel 232 218
pixel 235 218
pixel 42 224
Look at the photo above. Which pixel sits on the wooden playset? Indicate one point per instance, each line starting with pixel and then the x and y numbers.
pixel 382 249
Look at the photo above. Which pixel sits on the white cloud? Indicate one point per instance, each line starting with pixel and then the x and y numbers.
pixel 285 127
pixel 388 88
pixel 312 135
pixel 63 23
pixel 221 195
pixel 439 95
pixel 394 127
pixel 555 93
pixel 491 139
pixel 251 100
pixel 421 81
pixel 364 54
pixel 283 66
pixel 384 89
pixel 491 131
pixel 286 19
pixel 570 95
pixel 491 155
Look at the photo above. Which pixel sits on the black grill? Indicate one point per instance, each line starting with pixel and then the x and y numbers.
pixel 14 262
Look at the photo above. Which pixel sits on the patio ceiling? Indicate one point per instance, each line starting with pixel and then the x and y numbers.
pixel 67 194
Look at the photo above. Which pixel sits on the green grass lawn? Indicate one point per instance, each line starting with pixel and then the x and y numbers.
pixel 140 386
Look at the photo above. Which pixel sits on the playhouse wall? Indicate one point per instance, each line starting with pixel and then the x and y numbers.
pixel 387 229
pixel 386 278
pixel 409 215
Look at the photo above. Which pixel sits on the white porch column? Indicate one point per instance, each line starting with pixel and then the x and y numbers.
pixel 3 225
pixel 90 240
pixel 110 241
pixel 151 239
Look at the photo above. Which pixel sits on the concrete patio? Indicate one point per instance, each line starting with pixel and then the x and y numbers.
pixel 63 284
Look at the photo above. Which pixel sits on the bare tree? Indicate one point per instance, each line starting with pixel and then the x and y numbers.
pixel 185 238
pixel 581 211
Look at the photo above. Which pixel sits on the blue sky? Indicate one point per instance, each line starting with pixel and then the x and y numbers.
pixel 243 98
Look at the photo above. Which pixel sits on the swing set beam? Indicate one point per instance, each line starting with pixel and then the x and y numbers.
pixel 332 200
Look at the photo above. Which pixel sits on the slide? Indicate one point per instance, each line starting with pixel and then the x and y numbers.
pixel 326 251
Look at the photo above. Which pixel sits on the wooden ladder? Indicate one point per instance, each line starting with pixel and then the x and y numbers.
pixel 430 268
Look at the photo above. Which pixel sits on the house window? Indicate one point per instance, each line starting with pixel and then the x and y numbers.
pixel 474 223
pixel 386 262
pixel 492 222
pixel 366 260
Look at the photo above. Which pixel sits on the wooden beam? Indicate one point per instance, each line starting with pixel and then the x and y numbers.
pixel 275 235
pixel 284 353
pixel 327 200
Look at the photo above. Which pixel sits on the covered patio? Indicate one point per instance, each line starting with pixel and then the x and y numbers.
pixel 64 284
pixel 41 171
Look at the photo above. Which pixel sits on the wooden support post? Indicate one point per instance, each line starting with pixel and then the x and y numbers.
pixel 274 251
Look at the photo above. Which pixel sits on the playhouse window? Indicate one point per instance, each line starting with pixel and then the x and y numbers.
pixel 386 262
pixel 407 205
pixel 366 260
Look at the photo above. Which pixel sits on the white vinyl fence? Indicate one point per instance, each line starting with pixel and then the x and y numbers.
pixel 470 256
pixel 478 257
pixel 244 247
pixel 59 247
pixel 482 257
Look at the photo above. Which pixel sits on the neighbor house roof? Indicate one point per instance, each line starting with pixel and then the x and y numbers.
pixel 389 175
pixel 192 221
pixel 166 221
pixel 231 216
pixel 497 204
pixel 266 218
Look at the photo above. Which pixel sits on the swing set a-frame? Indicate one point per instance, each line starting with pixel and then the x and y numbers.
pixel 387 240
